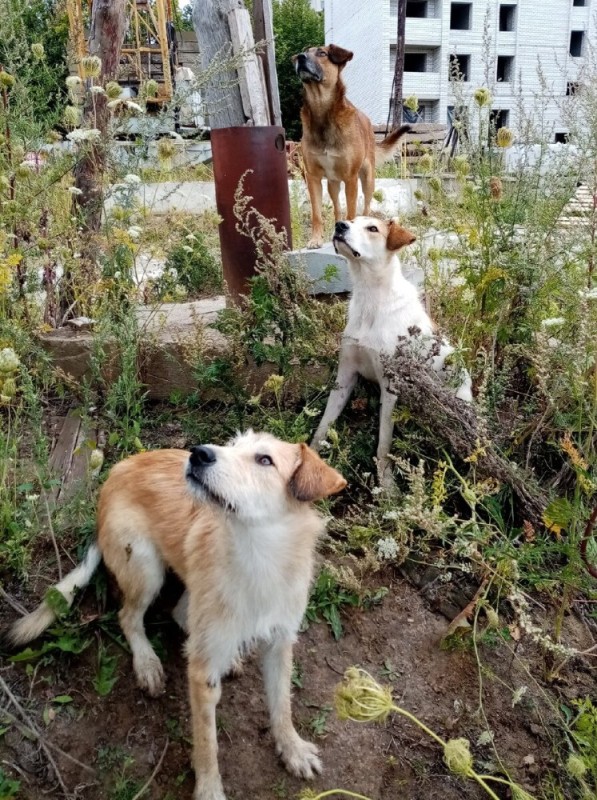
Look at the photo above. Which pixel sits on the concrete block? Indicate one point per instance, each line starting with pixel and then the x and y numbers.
pixel 317 263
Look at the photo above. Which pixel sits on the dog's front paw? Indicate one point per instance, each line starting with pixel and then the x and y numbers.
pixel 150 675
pixel 301 758
pixel 315 243
pixel 209 789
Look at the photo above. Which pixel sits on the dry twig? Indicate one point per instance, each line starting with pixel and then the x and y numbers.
pixel 456 422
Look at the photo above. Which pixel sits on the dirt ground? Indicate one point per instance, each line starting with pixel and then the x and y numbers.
pixel 123 734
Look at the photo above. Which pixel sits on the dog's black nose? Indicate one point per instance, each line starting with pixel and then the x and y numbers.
pixel 301 57
pixel 202 456
pixel 341 227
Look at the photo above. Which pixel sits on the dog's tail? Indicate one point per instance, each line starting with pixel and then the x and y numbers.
pixel 32 625
pixel 386 149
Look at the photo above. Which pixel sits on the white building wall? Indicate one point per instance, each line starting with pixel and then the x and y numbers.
pixel 540 41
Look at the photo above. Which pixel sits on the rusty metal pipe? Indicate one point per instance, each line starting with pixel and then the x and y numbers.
pixel 262 152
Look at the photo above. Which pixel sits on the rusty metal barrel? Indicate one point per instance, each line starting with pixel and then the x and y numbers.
pixel 260 152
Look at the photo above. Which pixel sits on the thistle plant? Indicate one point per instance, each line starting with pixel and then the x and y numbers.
pixel 361 699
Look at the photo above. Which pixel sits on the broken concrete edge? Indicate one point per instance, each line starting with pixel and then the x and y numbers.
pixel 166 361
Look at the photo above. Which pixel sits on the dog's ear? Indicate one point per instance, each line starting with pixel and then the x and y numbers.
pixel 338 55
pixel 398 236
pixel 313 479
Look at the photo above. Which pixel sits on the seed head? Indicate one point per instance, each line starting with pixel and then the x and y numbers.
pixel 575 766
pixel 482 97
pixel 412 103
pixel 166 148
pixel 91 66
pixel 457 756
pixel 6 80
pixel 9 387
pixel 37 51
pixel 9 360
pixel 71 116
pixel 151 88
pixel 360 698
pixel 113 90
pixel 426 162
pixel 504 137
pixel 96 460
pixel 496 188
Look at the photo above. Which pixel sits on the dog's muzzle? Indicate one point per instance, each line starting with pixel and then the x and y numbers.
pixel 308 70
pixel 201 458
pixel 198 475
pixel 340 230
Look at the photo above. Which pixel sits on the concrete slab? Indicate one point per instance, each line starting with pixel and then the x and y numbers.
pixel 195 197
pixel 327 269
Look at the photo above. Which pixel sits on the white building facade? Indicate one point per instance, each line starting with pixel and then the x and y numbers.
pixel 519 49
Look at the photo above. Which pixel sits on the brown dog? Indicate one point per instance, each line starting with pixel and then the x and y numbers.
pixel 338 141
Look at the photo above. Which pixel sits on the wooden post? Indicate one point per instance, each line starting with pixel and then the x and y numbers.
pixel 232 97
pixel 399 66
pixel 263 25
pixel 105 41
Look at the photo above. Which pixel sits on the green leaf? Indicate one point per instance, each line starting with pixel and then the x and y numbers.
pixel 57 602
pixel 62 699
pixel 558 515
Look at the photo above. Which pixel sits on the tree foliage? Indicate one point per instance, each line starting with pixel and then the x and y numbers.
pixel 40 81
pixel 296 26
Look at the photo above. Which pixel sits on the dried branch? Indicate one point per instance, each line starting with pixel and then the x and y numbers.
pixel 456 422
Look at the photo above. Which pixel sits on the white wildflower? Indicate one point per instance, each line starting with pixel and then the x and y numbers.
pixel 391 515
pixel 75 190
pixel 134 232
pixel 96 460
pixel 73 81
pixel 97 90
pixel 134 106
pixel 131 179
pixel 190 237
pixel 31 498
pixel 553 322
pixel 485 738
pixel 84 135
pixel 9 360
pixel 325 445
pixel 187 249
pixel 387 548
pixel 376 490
pixel 518 694
pixel 311 412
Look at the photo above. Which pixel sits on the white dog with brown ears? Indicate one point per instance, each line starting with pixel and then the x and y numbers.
pixel 237 525
pixel 384 308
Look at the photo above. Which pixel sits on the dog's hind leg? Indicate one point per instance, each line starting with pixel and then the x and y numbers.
pixel 140 574
pixel 345 383
pixel 334 190
pixel 386 431
pixel 299 756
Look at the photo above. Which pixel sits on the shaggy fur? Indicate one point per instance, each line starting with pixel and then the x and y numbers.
pixel 237 526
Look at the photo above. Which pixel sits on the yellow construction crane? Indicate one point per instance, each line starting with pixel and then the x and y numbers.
pixel 149 48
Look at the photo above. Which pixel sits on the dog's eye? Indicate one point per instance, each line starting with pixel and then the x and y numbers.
pixel 264 461
pixel 373 229
pixel 321 53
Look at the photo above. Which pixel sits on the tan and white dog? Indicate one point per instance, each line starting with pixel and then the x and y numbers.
pixel 237 525
pixel 384 307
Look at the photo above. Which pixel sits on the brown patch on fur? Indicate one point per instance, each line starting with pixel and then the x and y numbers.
pixel 398 236
pixel 313 478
